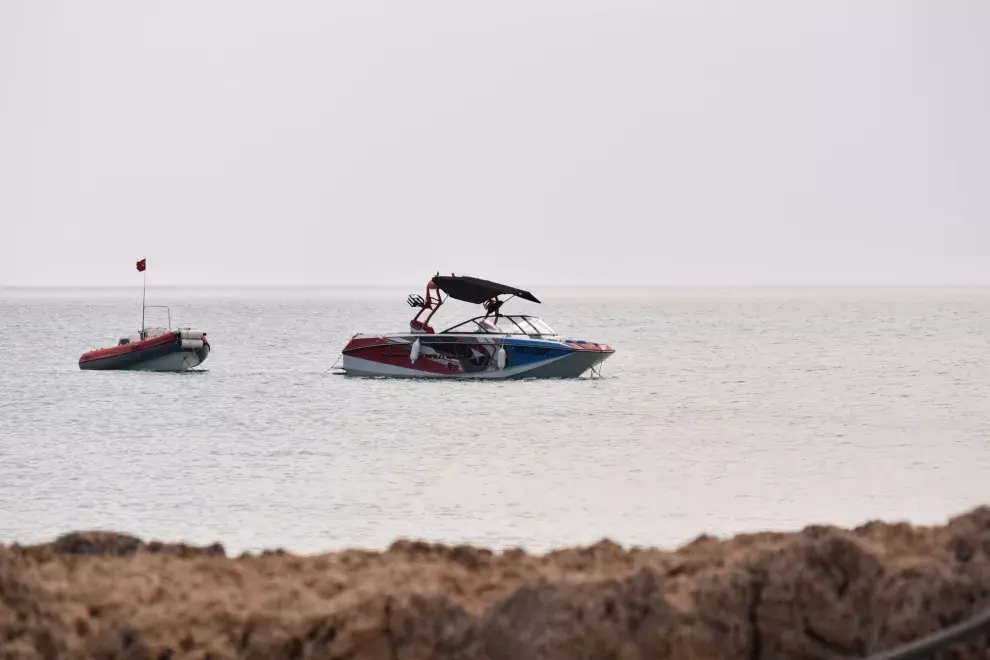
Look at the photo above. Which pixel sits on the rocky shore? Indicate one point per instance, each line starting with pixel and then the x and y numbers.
pixel 823 592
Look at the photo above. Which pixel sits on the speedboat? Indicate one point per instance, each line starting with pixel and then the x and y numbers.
pixel 151 349
pixel 492 346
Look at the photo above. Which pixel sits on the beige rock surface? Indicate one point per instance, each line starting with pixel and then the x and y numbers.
pixel 821 593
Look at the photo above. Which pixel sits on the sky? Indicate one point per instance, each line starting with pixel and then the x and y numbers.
pixel 243 142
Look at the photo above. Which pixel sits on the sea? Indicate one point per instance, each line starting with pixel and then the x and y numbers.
pixel 723 411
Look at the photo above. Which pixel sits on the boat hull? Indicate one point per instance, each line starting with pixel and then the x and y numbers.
pixel 470 357
pixel 167 353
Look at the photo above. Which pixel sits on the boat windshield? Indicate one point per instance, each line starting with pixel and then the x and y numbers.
pixel 505 325
pixel 513 325
pixel 541 326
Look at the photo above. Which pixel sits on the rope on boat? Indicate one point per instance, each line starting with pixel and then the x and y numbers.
pixel 598 372
pixel 926 646
pixel 332 365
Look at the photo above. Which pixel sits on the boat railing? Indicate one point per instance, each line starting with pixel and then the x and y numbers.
pixel 457 335
pixel 167 310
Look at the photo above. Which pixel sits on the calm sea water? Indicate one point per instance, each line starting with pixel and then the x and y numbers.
pixel 722 411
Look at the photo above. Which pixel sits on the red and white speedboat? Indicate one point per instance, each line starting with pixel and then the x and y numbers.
pixel 493 346
pixel 151 349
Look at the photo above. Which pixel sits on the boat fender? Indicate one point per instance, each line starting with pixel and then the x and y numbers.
pixel 500 358
pixel 192 344
pixel 414 353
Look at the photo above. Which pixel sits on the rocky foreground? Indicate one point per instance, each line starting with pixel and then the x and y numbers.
pixel 823 593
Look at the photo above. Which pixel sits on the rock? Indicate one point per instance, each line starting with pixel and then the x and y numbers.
pixel 821 593
pixel 111 544
pixel 96 543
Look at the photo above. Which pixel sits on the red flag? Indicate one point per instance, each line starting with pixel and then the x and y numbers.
pixel 141 266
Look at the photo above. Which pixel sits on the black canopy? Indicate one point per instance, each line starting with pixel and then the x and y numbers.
pixel 473 290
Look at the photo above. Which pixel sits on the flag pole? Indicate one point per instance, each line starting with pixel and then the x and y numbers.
pixel 144 290
pixel 142 268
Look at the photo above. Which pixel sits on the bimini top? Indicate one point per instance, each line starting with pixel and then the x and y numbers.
pixel 473 290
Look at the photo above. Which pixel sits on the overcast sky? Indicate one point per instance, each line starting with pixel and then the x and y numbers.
pixel 536 142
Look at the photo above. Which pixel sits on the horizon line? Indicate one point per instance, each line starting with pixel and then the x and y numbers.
pixel 545 285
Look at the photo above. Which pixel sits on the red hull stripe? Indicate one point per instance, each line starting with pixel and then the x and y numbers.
pixel 364 342
pixel 166 338
pixel 397 355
